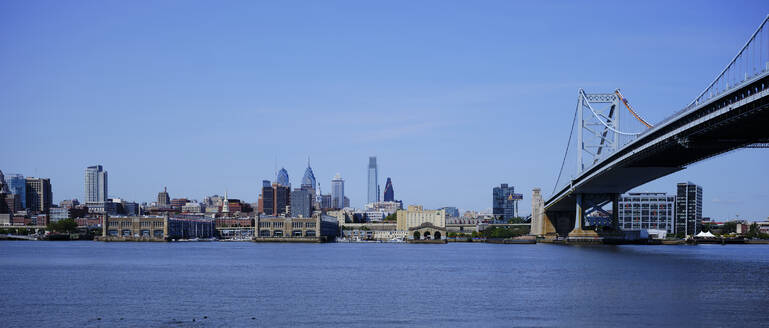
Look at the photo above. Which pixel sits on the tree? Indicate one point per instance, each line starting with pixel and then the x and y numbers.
pixel 66 225
pixel 729 227
pixel 753 231
pixel 416 235
pixel 391 217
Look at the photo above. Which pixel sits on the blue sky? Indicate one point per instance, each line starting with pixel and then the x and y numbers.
pixel 452 97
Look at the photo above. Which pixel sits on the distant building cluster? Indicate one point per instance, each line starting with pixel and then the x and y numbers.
pixel 675 214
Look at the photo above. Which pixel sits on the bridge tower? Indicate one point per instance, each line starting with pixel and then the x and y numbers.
pixel 598 133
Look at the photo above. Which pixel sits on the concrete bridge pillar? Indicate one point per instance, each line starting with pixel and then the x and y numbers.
pixel 578 232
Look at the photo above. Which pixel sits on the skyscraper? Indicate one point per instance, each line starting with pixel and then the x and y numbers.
pixel 17 185
pixel 505 202
pixel 337 191
pixel 301 203
pixel 389 193
pixel 163 199
pixel 688 208
pixel 308 181
pixel 95 184
pixel 268 198
pixel 275 198
pixel 283 178
pixel 39 194
pixel 373 185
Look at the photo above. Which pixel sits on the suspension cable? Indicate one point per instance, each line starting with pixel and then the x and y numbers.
pixel 627 105
pixel 566 153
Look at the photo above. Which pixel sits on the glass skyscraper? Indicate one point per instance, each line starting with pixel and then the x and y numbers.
pixel 283 178
pixel 505 202
pixel 373 184
pixel 17 185
pixel 389 193
pixel 308 181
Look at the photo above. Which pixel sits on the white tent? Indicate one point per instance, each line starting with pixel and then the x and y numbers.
pixel 705 235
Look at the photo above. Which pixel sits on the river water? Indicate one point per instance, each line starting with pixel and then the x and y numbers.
pixel 363 285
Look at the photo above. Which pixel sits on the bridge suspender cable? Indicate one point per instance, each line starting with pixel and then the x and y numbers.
pixel 627 105
pixel 597 117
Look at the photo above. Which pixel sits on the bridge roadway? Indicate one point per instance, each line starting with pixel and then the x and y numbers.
pixel 735 119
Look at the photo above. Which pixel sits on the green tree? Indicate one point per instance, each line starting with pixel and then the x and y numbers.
pixel 729 227
pixel 66 225
pixel 753 231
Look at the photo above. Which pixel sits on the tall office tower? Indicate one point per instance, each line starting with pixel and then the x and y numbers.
pixel 389 193
pixel 39 194
pixel 301 203
pixel 17 185
pixel 648 210
pixel 505 202
pixel 373 194
pixel 308 181
pixel 268 198
pixel 337 192
pixel 688 208
pixel 325 201
pixel 3 185
pixel 95 184
pixel 163 199
pixel 282 199
pixel 275 198
pixel 283 178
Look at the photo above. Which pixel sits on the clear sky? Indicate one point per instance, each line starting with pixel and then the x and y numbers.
pixel 452 97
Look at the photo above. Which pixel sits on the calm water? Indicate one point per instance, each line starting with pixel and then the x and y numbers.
pixel 331 285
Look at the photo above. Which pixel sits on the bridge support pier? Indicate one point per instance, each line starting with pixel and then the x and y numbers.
pixel 578 233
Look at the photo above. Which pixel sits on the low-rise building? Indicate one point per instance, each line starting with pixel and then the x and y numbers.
pixel 320 228
pixel 156 228
pixel 58 213
pixel 372 231
pixel 421 223
pixel 647 211
pixel 387 207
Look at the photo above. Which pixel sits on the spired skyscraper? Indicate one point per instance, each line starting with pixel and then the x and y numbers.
pixel 308 180
pixel 337 192
pixel 373 184
pixel 389 193
pixel 95 184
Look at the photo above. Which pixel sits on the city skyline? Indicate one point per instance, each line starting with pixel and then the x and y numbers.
pixel 429 140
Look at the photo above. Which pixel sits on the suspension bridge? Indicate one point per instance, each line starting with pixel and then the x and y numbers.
pixel 612 149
